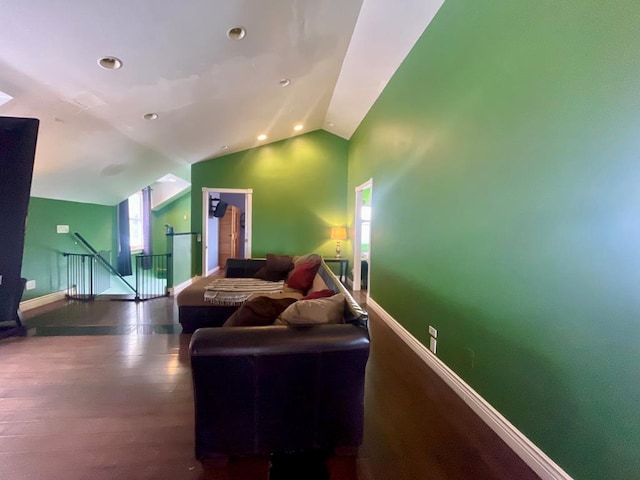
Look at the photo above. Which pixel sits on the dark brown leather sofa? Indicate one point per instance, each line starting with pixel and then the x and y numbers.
pixel 263 390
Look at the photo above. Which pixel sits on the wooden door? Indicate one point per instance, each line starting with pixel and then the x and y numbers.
pixel 229 236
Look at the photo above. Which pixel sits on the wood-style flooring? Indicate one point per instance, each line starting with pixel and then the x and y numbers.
pixel 103 391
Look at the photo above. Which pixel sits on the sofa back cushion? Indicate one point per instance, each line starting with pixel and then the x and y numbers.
pixel 276 268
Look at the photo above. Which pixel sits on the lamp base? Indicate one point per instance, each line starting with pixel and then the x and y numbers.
pixel 338 249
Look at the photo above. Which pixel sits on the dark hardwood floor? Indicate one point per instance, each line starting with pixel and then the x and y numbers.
pixel 103 391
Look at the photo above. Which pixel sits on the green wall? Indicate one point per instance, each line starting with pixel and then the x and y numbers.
pixel 43 260
pixel 182 247
pixel 299 192
pixel 506 200
pixel 171 214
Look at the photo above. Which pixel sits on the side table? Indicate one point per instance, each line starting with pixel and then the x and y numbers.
pixel 344 267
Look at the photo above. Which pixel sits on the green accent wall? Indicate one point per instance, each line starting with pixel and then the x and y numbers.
pixel 299 192
pixel 43 260
pixel 506 200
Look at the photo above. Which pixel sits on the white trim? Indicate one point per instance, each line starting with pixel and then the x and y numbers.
pixel 248 218
pixel 357 236
pixel 173 291
pixel 43 300
pixel 537 460
pixel 213 270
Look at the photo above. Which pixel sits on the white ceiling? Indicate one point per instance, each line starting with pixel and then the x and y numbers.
pixel 209 91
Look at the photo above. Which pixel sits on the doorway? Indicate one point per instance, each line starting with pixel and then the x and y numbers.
pixel 362 236
pixel 242 199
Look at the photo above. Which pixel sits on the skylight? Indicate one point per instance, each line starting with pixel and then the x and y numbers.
pixel 5 97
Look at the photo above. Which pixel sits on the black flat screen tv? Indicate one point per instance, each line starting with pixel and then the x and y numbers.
pixel 217 208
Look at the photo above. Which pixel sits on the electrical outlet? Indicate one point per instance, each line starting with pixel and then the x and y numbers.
pixel 433 343
pixel 31 284
pixel 62 228
pixel 433 332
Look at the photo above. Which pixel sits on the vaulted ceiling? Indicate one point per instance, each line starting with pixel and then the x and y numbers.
pixel 212 94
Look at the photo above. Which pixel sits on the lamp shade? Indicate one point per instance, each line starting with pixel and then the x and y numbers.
pixel 338 233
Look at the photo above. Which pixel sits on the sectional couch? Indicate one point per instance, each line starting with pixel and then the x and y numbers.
pixel 280 388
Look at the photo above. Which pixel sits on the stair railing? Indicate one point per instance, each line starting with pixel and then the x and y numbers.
pixel 84 274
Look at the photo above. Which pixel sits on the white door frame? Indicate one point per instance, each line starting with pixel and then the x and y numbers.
pixel 357 240
pixel 248 205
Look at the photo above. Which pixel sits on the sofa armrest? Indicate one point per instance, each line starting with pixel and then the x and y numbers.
pixel 260 390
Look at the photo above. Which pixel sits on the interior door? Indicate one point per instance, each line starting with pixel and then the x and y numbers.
pixel 229 236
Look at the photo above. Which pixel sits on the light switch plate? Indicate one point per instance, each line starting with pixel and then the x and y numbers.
pixel 433 332
pixel 62 228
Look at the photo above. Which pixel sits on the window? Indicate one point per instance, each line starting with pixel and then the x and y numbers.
pixel 366 230
pixel 136 236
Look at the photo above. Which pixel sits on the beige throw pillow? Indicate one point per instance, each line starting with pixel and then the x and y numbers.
pixel 314 312
pixel 308 258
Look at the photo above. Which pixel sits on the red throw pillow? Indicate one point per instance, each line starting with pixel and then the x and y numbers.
pixel 319 294
pixel 302 276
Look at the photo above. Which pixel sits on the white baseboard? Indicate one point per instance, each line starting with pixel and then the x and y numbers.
pixel 537 460
pixel 43 300
pixel 212 271
pixel 173 291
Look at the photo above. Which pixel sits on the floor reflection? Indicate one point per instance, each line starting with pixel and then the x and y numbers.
pixel 72 330
pixel 310 465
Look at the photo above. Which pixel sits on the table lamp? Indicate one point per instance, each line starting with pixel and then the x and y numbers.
pixel 338 233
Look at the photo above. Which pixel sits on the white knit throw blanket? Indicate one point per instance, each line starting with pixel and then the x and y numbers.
pixel 232 292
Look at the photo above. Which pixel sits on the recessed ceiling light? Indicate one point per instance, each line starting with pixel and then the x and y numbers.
pixel 331 124
pixel 285 82
pixel 236 33
pixel 150 116
pixel 298 127
pixel 224 147
pixel 262 137
pixel 110 63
